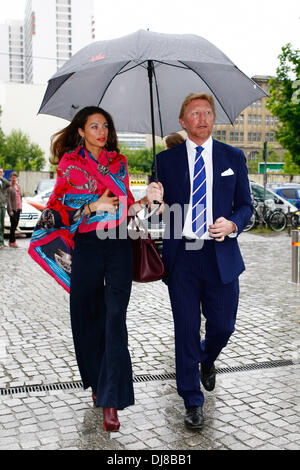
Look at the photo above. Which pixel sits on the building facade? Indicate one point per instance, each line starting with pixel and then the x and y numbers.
pixel 53 30
pixel 254 126
pixel 132 140
pixel 12 51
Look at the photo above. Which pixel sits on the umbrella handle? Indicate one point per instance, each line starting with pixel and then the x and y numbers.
pixel 158 204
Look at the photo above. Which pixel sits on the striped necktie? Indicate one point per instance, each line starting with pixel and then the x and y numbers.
pixel 199 195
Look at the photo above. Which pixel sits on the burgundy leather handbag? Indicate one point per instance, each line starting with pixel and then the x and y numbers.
pixel 147 263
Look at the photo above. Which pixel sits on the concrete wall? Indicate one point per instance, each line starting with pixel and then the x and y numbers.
pixel 29 180
pixel 274 178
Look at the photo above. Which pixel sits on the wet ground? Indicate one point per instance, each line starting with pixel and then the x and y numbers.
pixel 256 402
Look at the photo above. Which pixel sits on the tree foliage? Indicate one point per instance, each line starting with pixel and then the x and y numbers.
pixel 140 160
pixel 272 156
pixel 19 153
pixel 284 101
pixel 290 167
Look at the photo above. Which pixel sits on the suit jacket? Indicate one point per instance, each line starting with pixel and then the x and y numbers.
pixel 231 199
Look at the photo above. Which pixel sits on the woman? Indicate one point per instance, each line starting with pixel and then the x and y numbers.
pixel 14 207
pixel 91 198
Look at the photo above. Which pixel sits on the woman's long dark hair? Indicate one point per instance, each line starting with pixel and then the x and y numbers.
pixel 68 138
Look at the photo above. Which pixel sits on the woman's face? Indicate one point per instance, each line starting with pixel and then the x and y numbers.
pixel 95 132
pixel 13 179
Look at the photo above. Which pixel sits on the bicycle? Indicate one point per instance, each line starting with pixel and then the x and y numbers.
pixel 267 213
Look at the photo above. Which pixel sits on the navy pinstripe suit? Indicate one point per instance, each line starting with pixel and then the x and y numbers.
pixel 203 280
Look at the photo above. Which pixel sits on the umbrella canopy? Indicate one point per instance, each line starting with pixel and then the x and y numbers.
pixel 142 79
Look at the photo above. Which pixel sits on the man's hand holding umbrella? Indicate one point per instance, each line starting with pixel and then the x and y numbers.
pixel 155 194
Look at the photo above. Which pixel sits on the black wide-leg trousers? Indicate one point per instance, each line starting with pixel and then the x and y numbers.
pixel 100 289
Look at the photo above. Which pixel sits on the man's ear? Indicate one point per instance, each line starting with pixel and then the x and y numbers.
pixel 182 123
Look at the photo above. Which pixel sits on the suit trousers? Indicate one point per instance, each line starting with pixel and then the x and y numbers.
pixel 100 289
pixel 195 287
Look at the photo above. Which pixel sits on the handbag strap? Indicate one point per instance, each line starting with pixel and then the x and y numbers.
pixel 140 223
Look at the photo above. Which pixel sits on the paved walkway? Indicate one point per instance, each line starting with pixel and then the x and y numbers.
pixel 255 407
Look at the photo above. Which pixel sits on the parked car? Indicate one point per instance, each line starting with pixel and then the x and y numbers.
pixel 280 203
pixel 45 184
pixel 288 191
pixel 40 200
pixel 28 219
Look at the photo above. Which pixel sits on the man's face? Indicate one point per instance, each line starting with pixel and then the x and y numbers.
pixel 198 120
pixel 1 172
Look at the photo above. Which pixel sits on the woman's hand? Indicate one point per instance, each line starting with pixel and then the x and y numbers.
pixel 104 203
pixel 155 192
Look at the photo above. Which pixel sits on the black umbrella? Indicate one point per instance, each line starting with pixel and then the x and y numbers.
pixel 147 74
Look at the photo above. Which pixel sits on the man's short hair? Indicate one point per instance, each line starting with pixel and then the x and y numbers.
pixel 13 173
pixel 197 96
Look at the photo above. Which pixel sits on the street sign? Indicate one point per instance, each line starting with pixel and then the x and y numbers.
pixel 272 167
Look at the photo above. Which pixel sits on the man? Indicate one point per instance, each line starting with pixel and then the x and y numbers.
pixel 208 180
pixel 4 185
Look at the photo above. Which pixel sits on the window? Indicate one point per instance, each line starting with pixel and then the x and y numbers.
pixel 253 156
pixel 270 136
pixel 251 136
pixel 254 119
pixel 258 192
pixel 220 135
pixel 289 193
pixel 234 136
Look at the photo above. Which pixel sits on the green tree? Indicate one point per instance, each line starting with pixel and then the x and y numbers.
pixel 290 167
pixel 21 153
pixel 284 101
pixel 272 156
pixel 140 160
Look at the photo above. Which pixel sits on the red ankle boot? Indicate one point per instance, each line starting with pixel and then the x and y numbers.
pixel 110 420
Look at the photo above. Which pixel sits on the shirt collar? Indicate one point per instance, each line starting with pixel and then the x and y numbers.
pixel 207 145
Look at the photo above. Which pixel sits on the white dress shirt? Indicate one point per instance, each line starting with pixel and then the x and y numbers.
pixel 207 157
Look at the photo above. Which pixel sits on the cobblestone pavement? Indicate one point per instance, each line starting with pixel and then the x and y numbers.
pixel 255 407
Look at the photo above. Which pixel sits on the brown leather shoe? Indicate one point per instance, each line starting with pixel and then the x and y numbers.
pixel 110 420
